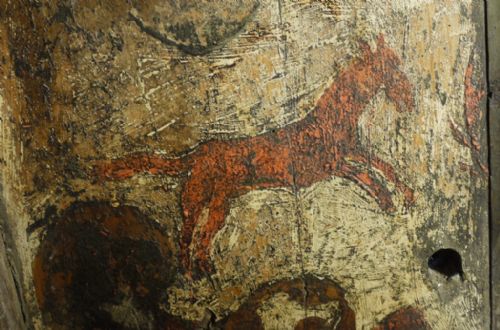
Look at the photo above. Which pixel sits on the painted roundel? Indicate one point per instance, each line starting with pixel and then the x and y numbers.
pixel 194 27
pixel 104 267
pixel 311 303
pixel 303 303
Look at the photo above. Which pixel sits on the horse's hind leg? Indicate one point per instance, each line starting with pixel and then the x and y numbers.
pixel 369 183
pixel 388 172
pixel 191 217
pixel 200 193
pixel 195 197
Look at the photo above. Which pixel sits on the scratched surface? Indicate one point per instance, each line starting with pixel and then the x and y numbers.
pixel 247 164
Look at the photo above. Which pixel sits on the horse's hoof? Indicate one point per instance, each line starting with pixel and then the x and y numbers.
pixel 409 198
pixel 196 267
pixel 387 205
pixel 98 172
pixel 391 209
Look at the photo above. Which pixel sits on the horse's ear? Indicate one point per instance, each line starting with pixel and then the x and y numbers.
pixel 380 41
pixel 386 52
pixel 365 48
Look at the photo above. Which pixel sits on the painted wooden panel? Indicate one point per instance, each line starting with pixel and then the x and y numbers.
pixel 246 164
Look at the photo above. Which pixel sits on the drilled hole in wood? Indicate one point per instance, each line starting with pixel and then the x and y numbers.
pixel 447 262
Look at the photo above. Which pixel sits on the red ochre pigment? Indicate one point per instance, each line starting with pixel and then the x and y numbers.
pixel 324 144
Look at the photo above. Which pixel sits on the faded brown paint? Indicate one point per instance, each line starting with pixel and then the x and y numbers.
pixel 469 136
pixel 323 144
pixel 404 318
pixel 96 257
pixel 308 291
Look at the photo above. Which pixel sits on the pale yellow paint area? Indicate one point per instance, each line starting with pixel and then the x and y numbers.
pixel 279 312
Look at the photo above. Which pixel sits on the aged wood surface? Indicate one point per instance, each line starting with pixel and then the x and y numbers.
pixel 10 307
pixel 494 128
pixel 247 164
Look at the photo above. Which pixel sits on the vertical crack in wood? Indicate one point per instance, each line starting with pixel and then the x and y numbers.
pixel 299 218
pixel 491 160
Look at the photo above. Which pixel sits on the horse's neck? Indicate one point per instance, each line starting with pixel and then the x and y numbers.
pixel 347 97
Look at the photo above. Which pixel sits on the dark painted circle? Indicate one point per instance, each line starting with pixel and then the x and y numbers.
pixel 319 292
pixel 101 267
pixel 194 27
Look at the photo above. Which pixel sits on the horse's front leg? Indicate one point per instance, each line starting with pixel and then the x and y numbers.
pixel 202 241
pixel 389 173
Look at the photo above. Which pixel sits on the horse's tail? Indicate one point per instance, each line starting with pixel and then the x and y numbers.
pixel 123 168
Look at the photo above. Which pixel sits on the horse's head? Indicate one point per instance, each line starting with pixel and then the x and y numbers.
pixel 387 72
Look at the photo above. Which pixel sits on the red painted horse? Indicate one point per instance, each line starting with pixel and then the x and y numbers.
pixel 323 144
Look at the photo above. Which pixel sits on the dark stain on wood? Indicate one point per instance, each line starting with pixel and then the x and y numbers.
pixel 324 144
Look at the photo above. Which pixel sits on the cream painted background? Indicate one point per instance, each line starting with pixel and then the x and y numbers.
pixel 332 229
